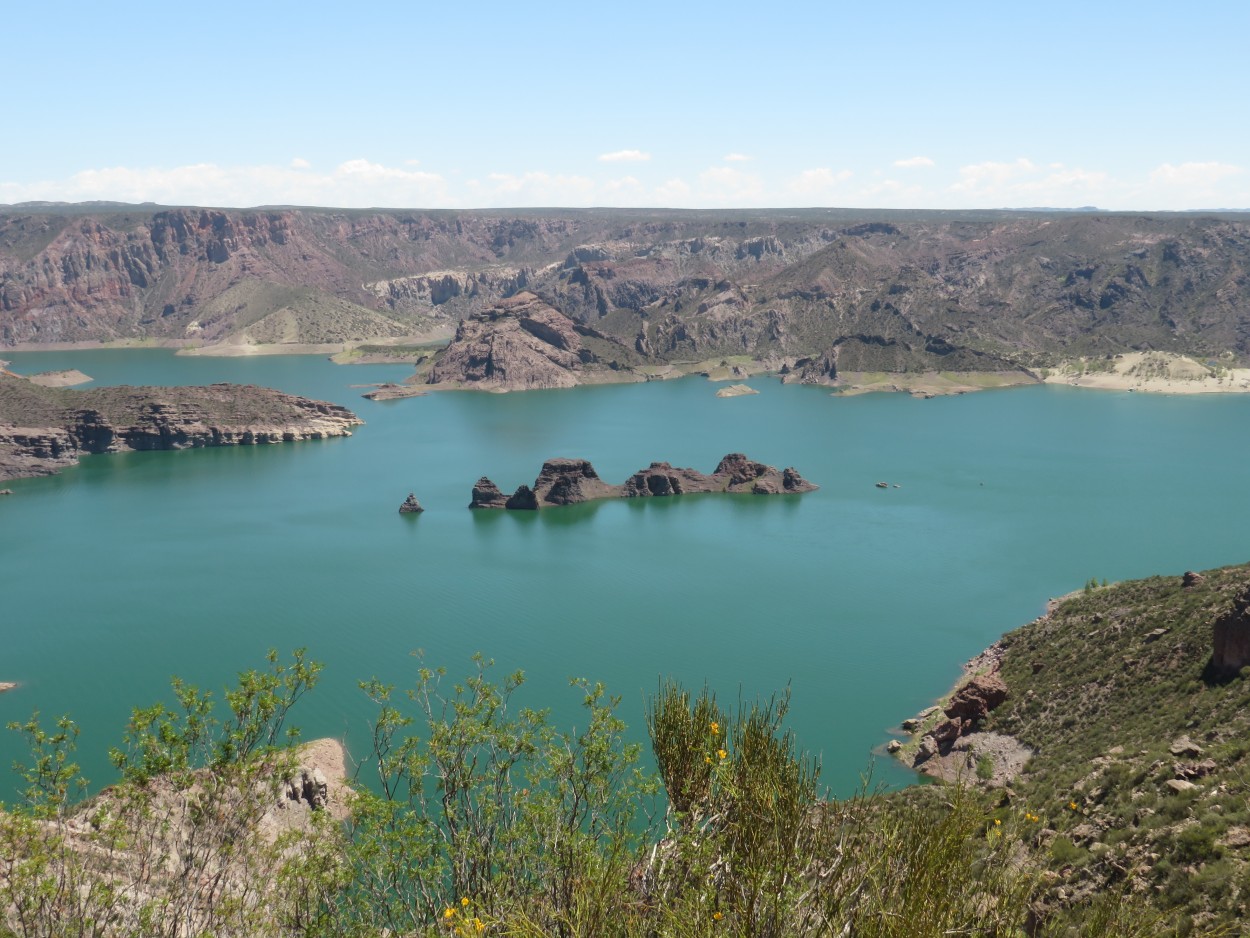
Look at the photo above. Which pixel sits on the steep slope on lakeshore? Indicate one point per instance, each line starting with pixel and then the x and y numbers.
pixel 818 292
pixel 1135 700
pixel 43 430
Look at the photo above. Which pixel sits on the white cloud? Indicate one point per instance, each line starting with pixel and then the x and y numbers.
pixel 724 185
pixel 817 181
pixel 539 188
pixel 353 184
pixel 362 183
pixel 624 184
pixel 897 192
pixel 624 156
pixel 737 158
pixel 991 175
pixel 915 162
pixel 1193 174
pixel 674 193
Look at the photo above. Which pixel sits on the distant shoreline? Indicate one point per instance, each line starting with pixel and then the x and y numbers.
pixel 1142 372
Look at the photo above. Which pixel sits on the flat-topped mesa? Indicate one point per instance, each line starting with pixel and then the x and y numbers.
pixel 43 430
pixel 571 481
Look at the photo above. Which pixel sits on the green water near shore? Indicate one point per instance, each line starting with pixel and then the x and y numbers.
pixel 134 567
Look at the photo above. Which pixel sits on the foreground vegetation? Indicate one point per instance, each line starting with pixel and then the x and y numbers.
pixel 472 814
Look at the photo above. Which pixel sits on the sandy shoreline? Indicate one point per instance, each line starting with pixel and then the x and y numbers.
pixel 1151 373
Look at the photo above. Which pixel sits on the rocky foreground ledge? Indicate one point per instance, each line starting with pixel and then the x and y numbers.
pixel 43 430
pixel 571 481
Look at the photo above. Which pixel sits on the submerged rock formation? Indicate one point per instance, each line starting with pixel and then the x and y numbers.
pixel 571 481
pixel 43 430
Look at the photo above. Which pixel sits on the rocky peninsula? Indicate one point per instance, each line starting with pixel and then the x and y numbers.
pixel 572 481
pixel 522 343
pixel 43 430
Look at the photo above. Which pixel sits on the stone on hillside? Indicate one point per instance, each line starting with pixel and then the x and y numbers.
pixel 1184 746
pixel 1179 785
pixel 1230 643
pixel 1191 579
pixel 1236 837
pixel 893 746
pixel 1194 769
pixel 410 505
pixel 977 698
pixel 947 732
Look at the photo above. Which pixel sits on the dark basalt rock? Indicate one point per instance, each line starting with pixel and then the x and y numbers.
pixel 791 481
pixel 410 505
pixel 739 469
pixel 571 481
pixel 976 699
pixel 660 479
pixel 1230 640
pixel 523 499
pixel 486 494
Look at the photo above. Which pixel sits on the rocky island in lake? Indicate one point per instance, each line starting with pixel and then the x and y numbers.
pixel 43 429
pixel 571 481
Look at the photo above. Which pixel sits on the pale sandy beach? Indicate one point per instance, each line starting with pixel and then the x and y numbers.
pixel 1151 373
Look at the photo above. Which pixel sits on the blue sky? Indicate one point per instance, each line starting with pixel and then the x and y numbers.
pixel 1136 106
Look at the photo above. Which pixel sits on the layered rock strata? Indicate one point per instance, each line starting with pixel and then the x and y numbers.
pixel 520 344
pixel 571 481
pixel 44 430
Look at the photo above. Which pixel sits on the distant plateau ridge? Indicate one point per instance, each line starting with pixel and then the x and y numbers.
pixel 816 294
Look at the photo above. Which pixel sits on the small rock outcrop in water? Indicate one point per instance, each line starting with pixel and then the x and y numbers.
pixel 410 505
pixel 523 499
pixel 486 494
pixel 571 481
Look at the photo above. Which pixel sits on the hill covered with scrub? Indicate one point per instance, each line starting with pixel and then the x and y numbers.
pixel 472 814
pixel 817 291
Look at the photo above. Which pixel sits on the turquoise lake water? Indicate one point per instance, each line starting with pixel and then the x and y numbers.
pixel 130 568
